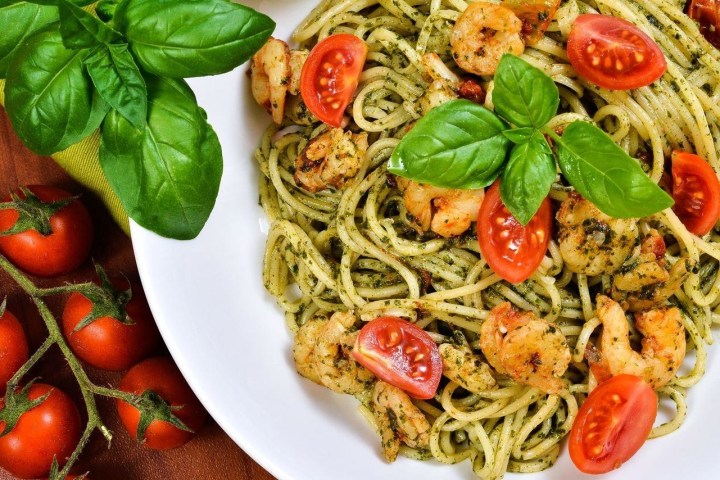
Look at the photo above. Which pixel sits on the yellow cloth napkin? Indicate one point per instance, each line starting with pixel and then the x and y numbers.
pixel 81 161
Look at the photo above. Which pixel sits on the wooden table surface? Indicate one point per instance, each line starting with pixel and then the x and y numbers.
pixel 212 455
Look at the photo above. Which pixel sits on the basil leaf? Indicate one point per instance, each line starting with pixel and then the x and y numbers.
pixel 524 95
pixel 191 38
pixel 119 81
pixel 519 135
pixel 105 9
pixel 528 177
pixel 456 145
pixel 50 100
pixel 167 175
pixel 604 174
pixel 80 29
pixel 19 21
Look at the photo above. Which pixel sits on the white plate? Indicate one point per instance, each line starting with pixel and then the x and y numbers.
pixel 230 341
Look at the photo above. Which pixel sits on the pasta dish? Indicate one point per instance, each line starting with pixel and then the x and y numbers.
pixel 494 223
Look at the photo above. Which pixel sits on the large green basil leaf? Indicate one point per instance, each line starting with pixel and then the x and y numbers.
pixel 18 22
pixel 80 29
pixel 191 38
pixel 524 95
pixel 459 144
pixel 49 98
pixel 167 175
pixel 604 174
pixel 528 177
pixel 119 81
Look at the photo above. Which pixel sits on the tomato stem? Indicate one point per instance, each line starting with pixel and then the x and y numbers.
pixel 88 389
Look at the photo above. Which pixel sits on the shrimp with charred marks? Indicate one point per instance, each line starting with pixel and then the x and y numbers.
pixel 530 350
pixel 483 34
pixel 445 211
pixel 648 281
pixel 398 419
pixel 592 243
pixel 465 368
pixel 330 160
pixel 445 85
pixel 663 343
pixel 322 354
pixel 275 73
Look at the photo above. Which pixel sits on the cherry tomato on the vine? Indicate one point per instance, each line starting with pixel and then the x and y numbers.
pixel 614 53
pixel 49 430
pixel 401 354
pixel 13 347
pixel 162 377
pixel 331 75
pixel 707 14
pixel 612 424
pixel 108 343
pixel 60 249
pixel 696 191
pixel 512 250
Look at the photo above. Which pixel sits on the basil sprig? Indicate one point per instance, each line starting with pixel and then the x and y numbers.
pixel 448 149
pixel 69 72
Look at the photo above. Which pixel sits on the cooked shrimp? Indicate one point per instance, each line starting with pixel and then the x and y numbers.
pixel 304 346
pixel 330 160
pixel 399 420
pixel 334 366
pixel 483 34
pixel 649 281
pixel 591 242
pixel 663 345
pixel 445 211
pixel 443 86
pixel 275 72
pixel 465 368
pixel 528 349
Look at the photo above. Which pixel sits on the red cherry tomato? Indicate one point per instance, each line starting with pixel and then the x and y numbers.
pixel 49 430
pixel 612 424
pixel 401 354
pixel 511 250
pixel 13 348
pixel 160 375
pixel 696 191
pixel 613 53
pixel 331 75
pixel 107 343
pixel 60 252
pixel 535 16
pixel 707 14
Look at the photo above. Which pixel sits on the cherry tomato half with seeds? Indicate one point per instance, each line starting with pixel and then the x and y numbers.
pixel 696 191
pixel 13 347
pixel 401 354
pixel 612 424
pixel 60 250
pixel 49 430
pixel 107 343
pixel 161 376
pixel 707 14
pixel 512 250
pixel 331 75
pixel 614 53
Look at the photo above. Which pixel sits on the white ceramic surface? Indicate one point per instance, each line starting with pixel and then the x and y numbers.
pixel 230 341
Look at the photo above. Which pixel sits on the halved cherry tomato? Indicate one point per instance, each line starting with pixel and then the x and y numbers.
pixel 511 250
pixel 696 191
pixel 331 74
pixel 535 16
pixel 401 354
pixel 707 14
pixel 612 424
pixel 614 53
